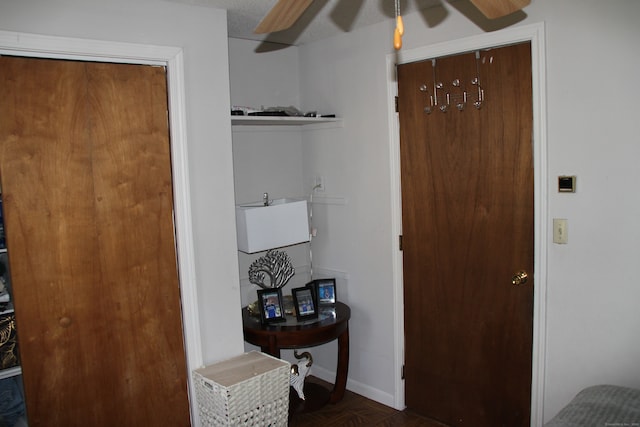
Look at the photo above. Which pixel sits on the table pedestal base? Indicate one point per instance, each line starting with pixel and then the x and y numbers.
pixel 332 325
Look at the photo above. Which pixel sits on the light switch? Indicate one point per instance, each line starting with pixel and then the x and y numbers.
pixel 560 231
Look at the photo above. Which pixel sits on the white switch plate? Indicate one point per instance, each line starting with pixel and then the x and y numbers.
pixel 319 184
pixel 560 234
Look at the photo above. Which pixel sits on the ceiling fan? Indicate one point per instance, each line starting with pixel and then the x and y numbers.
pixel 286 12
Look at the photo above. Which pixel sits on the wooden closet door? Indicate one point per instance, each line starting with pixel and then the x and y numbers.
pixel 86 176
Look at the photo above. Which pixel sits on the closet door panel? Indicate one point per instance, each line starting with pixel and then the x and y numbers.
pixel 85 169
pixel 134 217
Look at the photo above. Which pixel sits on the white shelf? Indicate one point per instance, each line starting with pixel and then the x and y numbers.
pixel 280 120
pixel 10 372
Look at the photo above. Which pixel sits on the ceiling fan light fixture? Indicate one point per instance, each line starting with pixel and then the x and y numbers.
pixel 400 25
pixel 399 30
pixel 397 39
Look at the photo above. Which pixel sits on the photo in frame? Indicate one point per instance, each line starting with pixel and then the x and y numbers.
pixel 326 289
pixel 271 305
pixel 305 303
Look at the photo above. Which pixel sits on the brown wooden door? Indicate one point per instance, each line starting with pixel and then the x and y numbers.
pixel 467 219
pixel 87 191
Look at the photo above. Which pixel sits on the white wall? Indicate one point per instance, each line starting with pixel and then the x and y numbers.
pixel 201 33
pixel 593 318
pixel 266 79
pixel 592 65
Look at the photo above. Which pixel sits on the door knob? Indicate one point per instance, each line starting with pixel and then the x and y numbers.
pixel 520 278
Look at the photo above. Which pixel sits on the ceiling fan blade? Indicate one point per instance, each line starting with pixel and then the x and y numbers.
pixel 282 16
pixel 497 8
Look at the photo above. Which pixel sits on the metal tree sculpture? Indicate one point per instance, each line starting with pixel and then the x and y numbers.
pixel 274 264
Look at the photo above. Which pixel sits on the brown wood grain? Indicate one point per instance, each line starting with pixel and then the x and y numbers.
pixel 86 176
pixel 497 8
pixel 467 202
pixel 356 410
pixel 282 15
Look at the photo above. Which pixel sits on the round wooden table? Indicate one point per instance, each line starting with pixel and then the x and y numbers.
pixel 332 323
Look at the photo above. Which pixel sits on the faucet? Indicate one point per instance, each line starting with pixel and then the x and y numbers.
pixel 265 199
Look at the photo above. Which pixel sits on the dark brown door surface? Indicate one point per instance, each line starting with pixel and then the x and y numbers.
pixel 467 219
pixel 87 193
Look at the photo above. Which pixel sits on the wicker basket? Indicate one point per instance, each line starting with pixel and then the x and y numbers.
pixel 248 390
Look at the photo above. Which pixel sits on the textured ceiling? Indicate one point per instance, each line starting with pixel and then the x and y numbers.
pixel 324 18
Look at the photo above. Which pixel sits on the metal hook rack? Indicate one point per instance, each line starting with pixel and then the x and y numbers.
pixel 456 95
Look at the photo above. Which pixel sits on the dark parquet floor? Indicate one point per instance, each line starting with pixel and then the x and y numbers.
pixel 356 410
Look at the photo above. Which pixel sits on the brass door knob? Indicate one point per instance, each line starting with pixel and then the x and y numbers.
pixel 520 278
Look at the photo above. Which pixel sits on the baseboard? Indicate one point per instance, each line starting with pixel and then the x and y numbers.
pixel 355 386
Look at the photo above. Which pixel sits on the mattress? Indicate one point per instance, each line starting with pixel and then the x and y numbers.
pixel 601 406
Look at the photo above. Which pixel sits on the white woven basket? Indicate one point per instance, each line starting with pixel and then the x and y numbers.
pixel 248 390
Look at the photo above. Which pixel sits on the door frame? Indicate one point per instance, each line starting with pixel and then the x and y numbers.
pixel 39 46
pixel 535 34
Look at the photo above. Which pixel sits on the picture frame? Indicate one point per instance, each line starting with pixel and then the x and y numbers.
pixel 271 305
pixel 326 291
pixel 305 303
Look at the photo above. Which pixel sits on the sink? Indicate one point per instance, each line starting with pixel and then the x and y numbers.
pixel 284 222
